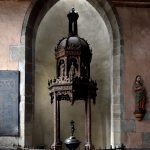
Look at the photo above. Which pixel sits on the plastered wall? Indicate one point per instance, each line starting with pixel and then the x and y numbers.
pixel 53 27
pixel 135 26
pixel 11 54
pixel 136 33
pixel 11 20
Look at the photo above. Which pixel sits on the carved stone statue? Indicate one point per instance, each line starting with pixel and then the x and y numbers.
pixel 72 71
pixel 140 94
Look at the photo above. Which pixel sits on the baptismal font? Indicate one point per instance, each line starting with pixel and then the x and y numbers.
pixel 73 82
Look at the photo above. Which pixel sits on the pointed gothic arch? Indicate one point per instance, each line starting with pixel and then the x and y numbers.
pixel 33 17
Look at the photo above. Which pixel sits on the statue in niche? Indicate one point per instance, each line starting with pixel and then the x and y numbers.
pixel 140 98
pixel 72 71
pixel 62 69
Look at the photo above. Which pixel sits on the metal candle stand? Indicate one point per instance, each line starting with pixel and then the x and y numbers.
pixel 72 143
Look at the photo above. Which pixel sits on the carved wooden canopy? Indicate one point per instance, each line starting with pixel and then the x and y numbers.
pixel 73 56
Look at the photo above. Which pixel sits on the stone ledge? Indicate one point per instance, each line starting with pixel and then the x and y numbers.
pixel 137 148
pixel 132 3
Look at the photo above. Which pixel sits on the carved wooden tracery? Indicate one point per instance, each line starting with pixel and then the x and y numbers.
pixel 73 56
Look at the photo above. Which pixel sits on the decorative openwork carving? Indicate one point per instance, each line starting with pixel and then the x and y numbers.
pixel 73 56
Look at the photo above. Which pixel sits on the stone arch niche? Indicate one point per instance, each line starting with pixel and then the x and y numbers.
pixel 110 95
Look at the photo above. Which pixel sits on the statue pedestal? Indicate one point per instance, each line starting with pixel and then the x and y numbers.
pixel 139 115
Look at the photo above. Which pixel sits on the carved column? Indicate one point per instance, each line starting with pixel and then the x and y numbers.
pixel 88 144
pixel 57 145
pixel 58 123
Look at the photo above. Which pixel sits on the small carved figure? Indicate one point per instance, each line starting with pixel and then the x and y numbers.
pixel 49 82
pixel 72 127
pixel 140 94
pixel 62 69
pixel 72 71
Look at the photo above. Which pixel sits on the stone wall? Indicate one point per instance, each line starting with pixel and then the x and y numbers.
pixel 115 73
pixel 52 28
pixel 11 15
pixel 17 52
pixel 136 33
pixel 12 53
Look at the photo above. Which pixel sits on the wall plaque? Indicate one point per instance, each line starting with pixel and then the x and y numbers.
pixel 9 103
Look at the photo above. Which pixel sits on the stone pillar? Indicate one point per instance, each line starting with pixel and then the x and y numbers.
pixel 66 69
pixel 58 124
pixel 88 144
pixel 57 145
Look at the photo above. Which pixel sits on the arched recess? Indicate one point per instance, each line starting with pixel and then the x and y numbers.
pixel 33 17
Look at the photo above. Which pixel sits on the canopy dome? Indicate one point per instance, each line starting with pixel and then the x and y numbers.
pixel 72 42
